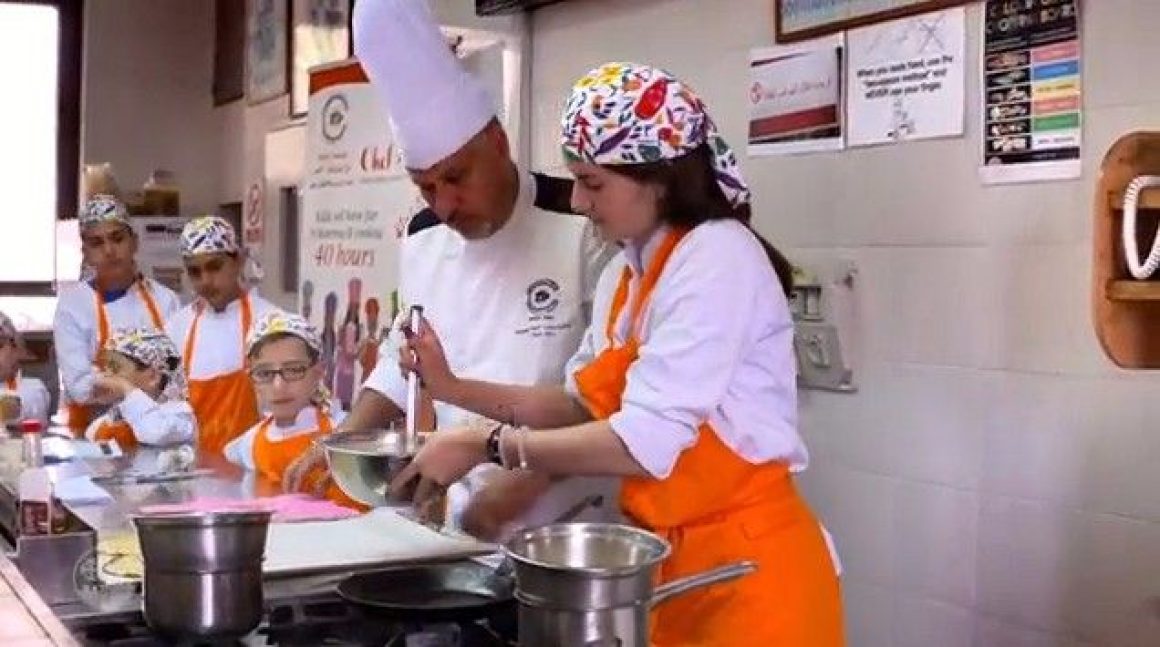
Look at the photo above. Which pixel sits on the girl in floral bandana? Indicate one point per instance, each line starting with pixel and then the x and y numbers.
pixel 283 354
pixel 144 386
pixel 685 383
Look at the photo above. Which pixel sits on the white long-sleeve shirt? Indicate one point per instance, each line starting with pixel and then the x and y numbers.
pixel 218 347
pixel 34 398
pixel 240 450
pixel 153 423
pixel 76 330
pixel 716 345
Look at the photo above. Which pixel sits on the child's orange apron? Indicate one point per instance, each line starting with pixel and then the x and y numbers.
pixel 225 405
pixel 717 508
pixel 272 458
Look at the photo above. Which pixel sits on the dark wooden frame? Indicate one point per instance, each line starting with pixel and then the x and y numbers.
pixel 229 51
pixel 924 6
pixel 288 63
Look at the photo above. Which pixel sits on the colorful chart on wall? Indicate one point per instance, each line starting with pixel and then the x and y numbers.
pixel 1032 95
pixel 803 19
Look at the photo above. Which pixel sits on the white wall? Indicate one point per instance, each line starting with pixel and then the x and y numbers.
pixel 147 99
pixel 995 480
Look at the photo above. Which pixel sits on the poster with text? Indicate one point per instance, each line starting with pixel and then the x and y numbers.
pixel 1032 96
pixel 795 98
pixel 906 79
pixel 356 203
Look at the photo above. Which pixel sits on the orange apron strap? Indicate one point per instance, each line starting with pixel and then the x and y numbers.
pixel 150 305
pixel 191 339
pixel 102 322
pixel 10 384
pixel 247 321
pixel 648 282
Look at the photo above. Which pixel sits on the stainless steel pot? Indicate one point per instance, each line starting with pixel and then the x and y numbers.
pixel 203 573
pixel 592 584
pixel 363 463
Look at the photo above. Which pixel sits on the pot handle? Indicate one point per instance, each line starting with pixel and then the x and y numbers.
pixel 704 578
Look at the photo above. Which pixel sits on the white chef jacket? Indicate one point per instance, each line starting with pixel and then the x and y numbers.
pixel 160 424
pixel 511 309
pixel 240 450
pixel 716 345
pixel 34 398
pixel 218 349
pixel 76 331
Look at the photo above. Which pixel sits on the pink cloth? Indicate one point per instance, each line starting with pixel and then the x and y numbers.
pixel 287 508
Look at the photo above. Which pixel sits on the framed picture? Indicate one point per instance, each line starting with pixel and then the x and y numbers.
pixel 796 20
pixel 229 51
pixel 267 49
pixel 320 34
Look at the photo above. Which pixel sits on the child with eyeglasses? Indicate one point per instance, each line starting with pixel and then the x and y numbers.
pixel 283 353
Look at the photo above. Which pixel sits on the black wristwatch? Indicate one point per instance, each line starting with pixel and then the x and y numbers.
pixel 493 452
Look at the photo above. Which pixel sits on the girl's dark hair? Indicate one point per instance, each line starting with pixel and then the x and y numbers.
pixel 692 196
pixel 171 362
pixel 310 352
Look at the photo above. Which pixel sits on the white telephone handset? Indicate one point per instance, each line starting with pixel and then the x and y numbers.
pixel 1148 267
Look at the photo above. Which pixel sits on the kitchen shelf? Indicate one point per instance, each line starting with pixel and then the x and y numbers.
pixel 1149 201
pixel 1129 290
pixel 1125 312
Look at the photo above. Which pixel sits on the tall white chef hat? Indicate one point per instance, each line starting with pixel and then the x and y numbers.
pixel 435 105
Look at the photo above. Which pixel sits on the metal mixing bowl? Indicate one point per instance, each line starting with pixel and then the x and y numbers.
pixel 363 463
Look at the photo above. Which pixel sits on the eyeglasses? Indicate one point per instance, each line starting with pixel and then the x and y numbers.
pixel 289 373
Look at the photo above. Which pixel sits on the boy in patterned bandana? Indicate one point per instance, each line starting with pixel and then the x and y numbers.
pixel 211 332
pixel 145 387
pixel 112 296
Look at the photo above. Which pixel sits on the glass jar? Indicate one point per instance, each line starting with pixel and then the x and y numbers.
pixel 162 195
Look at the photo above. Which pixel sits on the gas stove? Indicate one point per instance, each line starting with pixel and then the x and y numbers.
pixel 325 623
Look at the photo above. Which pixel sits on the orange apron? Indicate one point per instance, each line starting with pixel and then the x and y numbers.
pixel 119 431
pixel 80 415
pixel 716 508
pixel 272 458
pixel 226 405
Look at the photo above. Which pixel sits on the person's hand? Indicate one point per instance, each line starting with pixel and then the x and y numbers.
pixel 446 456
pixel 297 475
pixel 110 389
pixel 503 498
pixel 422 353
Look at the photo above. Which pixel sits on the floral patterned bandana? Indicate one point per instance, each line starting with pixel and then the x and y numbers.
pixel 102 208
pixel 285 323
pixel 627 113
pixel 153 348
pixel 208 235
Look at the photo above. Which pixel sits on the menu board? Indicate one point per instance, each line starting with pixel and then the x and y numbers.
pixel 1032 96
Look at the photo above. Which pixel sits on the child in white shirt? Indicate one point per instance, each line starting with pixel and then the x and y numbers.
pixel 145 384
pixel 21 398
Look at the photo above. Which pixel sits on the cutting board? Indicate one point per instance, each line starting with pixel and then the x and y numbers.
pixel 380 537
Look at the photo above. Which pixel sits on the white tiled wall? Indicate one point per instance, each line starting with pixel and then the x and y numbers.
pixel 995 482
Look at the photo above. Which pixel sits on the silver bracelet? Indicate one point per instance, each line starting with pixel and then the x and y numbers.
pixel 503 461
pixel 522 433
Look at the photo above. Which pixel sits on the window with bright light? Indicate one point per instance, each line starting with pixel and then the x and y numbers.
pixel 39 126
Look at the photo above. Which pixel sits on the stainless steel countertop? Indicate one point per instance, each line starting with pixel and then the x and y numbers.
pixel 227 481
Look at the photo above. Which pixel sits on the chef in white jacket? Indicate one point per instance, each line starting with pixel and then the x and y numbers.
pixel 508 284
pixel 117 296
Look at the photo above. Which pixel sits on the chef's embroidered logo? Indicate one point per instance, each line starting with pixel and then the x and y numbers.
pixel 543 296
pixel 334 117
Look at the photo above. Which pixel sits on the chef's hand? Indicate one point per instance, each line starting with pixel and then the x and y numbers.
pixel 297 475
pixel 505 496
pixel 447 456
pixel 110 389
pixel 421 352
